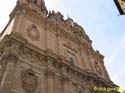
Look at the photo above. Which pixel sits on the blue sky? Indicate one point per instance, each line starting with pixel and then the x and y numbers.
pixel 101 22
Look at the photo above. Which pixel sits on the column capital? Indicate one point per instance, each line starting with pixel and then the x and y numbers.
pixel 9 57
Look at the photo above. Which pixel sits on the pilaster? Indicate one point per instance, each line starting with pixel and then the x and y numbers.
pixel 7 81
pixel 50 81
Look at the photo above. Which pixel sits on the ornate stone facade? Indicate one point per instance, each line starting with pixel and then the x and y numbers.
pixel 40 52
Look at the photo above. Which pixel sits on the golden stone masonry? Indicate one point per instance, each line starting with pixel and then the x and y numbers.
pixel 40 52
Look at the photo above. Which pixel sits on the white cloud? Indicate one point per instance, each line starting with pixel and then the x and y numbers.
pixel 52 4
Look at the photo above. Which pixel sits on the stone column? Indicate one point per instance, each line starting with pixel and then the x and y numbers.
pixel 50 82
pixel 7 81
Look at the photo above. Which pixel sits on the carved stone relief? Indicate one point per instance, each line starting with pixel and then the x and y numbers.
pixel 29 81
pixel 70 46
pixel 98 69
pixel 33 33
pixel 30 55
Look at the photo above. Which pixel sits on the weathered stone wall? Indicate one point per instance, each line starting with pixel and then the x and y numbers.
pixel 28 71
pixel 41 52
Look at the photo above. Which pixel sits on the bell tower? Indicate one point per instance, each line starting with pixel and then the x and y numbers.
pixel 41 4
pixel 37 5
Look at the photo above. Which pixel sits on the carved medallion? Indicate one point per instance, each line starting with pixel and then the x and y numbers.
pixel 33 32
pixel 98 69
pixel 29 81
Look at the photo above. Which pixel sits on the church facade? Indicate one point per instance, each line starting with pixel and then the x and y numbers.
pixel 40 52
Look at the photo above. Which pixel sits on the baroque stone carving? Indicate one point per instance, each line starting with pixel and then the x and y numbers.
pixel 70 46
pixel 33 33
pixel 33 56
pixel 29 81
pixel 98 69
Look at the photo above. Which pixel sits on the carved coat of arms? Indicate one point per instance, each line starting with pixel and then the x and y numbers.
pixel 33 33
pixel 29 81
